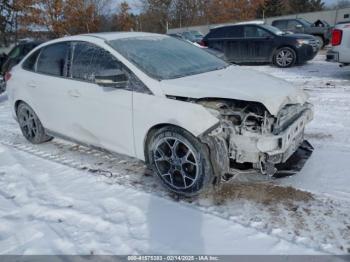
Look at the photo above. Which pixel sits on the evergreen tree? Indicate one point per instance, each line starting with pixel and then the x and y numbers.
pixel 303 6
pixel 271 8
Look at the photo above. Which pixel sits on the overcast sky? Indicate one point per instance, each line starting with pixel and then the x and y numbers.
pixel 136 7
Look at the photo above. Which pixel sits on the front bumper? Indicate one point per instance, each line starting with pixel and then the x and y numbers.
pixel 290 139
pixel 254 148
pixel 306 53
pixel 332 56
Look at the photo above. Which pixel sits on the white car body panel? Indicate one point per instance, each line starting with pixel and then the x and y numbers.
pixel 150 111
pixel 237 83
pixel 119 120
pixel 103 114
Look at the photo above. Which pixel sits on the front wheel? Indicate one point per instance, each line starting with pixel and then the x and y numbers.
pixel 320 41
pixel 285 57
pixel 30 125
pixel 180 160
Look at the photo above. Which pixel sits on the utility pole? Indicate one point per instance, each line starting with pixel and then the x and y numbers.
pixel 336 13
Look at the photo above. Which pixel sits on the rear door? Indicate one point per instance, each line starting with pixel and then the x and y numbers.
pixel 48 87
pixel 258 44
pixel 234 44
pixel 227 40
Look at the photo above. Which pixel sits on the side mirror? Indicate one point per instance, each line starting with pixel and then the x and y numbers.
pixel 112 78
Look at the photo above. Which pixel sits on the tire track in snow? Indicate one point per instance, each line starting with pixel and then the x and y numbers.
pixel 126 172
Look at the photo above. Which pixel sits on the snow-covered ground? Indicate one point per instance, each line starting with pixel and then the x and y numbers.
pixel 60 198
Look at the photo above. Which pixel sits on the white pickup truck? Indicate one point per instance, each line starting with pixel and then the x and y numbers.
pixel 340 51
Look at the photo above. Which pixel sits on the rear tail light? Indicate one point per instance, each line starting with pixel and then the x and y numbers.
pixel 202 43
pixel 7 76
pixel 337 36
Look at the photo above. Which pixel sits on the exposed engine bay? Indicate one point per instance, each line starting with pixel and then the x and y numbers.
pixel 252 138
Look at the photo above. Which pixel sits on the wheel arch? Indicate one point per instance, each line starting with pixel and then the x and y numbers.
pixel 16 104
pixel 152 130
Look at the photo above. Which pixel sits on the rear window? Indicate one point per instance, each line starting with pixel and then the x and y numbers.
pixel 29 63
pixel 227 31
pixel 52 59
pixel 218 33
pixel 235 31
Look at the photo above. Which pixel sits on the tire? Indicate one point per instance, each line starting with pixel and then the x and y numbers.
pixel 285 57
pixel 30 125
pixel 321 41
pixel 180 160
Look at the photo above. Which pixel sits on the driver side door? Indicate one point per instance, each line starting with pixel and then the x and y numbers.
pixel 102 115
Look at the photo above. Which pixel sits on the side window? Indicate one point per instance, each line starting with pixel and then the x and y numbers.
pixel 53 59
pixel 255 32
pixel 15 52
pixel 234 31
pixel 292 24
pixel 250 31
pixel 89 60
pixel 280 24
pixel 218 33
pixel 29 63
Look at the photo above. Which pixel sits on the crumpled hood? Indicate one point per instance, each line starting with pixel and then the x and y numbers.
pixel 237 83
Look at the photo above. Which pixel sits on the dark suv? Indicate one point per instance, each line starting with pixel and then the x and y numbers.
pixel 320 29
pixel 14 57
pixel 260 43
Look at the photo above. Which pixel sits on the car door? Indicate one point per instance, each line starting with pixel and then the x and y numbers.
pixel 258 44
pixel 295 26
pixel 102 115
pixel 233 45
pixel 47 86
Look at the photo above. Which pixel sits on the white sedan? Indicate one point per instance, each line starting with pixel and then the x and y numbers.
pixel 191 116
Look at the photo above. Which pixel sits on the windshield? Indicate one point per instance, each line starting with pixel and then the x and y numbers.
pixel 197 33
pixel 273 29
pixel 163 57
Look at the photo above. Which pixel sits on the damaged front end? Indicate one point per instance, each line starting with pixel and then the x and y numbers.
pixel 248 139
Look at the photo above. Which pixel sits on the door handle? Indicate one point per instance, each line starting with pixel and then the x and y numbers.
pixel 74 93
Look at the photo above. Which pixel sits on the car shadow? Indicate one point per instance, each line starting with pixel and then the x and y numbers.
pixel 178 232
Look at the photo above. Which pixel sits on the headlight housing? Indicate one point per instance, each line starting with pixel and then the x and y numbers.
pixel 303 41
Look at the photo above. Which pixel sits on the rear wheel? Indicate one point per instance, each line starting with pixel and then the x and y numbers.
pixel 285 57
pixel 30 125
pixel 180 160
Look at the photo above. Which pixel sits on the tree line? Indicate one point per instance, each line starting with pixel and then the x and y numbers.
pixel 67 17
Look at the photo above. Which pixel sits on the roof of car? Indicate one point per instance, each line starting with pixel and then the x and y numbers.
pixel 119 35
pixel 239 24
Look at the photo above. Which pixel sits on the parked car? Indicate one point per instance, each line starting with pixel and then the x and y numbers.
pixel 340 51
pixel 193 36
pixel 320 29
pixel 212 51
pixel 191 116
pixel 261 43
pixel 13 58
